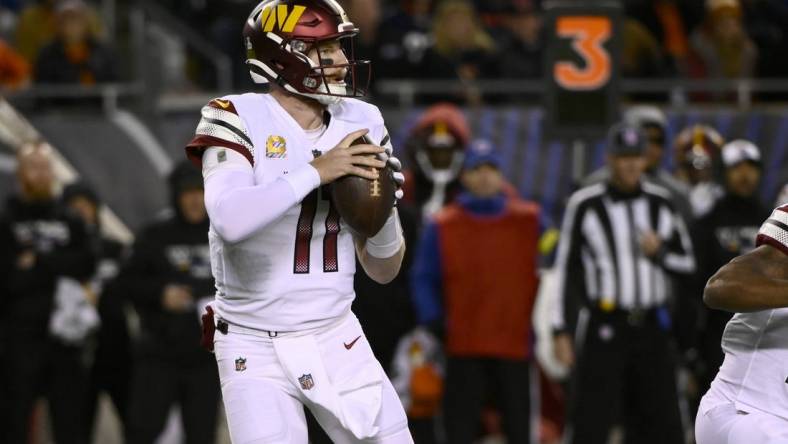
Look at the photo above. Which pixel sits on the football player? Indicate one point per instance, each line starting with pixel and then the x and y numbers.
pixel 282 258
pixel 748 400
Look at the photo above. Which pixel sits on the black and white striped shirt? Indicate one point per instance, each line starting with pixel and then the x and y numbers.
pixel 600 262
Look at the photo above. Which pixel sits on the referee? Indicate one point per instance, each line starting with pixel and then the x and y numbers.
pixel 622 242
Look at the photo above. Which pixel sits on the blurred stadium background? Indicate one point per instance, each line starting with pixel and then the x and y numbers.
pixel 122 120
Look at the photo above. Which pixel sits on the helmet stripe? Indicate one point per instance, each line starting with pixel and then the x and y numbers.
pixel 292 20
pixel 271 20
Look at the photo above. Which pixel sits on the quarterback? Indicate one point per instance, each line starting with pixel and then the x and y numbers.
pixel 282 257
pixel 748 400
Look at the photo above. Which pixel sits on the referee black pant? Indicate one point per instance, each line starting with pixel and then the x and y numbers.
pixel 625 374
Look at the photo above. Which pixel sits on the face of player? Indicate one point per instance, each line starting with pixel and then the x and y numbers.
pixel 742 180
pixel 483 181
pixel 192 205
pixel 626 171
pixel 85 209
pixel 330 53
pixel 35 175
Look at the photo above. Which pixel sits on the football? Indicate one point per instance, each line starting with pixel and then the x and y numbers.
pixel 362 203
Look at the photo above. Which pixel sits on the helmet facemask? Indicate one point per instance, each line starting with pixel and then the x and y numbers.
pixel 326 91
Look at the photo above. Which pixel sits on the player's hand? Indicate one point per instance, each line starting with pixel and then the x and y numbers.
pixel 564 349
pixel 360 160
pixel 650 243
pixel 177 298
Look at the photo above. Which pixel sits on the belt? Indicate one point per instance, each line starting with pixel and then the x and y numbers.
pixel 225 327
pixel 634 317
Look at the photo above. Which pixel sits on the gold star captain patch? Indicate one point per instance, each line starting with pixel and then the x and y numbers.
pixel 275 147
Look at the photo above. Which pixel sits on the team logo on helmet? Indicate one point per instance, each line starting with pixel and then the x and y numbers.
pixel 276 147
pixel 283 19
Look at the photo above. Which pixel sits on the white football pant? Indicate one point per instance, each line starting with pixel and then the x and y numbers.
pixel 267 381
pixel 721 423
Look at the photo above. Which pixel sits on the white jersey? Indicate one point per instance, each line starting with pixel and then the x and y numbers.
pixel 754 374
pixel 295 273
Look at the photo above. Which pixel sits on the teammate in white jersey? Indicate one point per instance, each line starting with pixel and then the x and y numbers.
pixel 748 400
pixel 282 258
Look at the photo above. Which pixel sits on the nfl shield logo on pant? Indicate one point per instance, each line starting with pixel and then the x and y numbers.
pixel 240 364
pixel 306 381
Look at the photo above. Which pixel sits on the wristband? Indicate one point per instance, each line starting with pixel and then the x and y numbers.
pixel 388 240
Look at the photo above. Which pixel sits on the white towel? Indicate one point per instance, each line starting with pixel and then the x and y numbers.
pixel 73 317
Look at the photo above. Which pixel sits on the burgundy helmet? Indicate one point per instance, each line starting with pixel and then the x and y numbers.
pixel 280 33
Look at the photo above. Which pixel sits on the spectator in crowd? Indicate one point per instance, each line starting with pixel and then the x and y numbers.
pixel 40 244
pixel 75 56
pixel 14 69
pixel 669 22
pixel 521 38
pixel 652 121
pixel 168 277
pixel 111 363
pixel 620 242
pixel 696 152
pixel 474 283
pixel 38 24
pixel 721 46
pixel 403 39
pixel 641 53
pixel 434 151
pixel 462 49
pixel 8 16
pixel 766 22
pixel 366 15
pixel 727 231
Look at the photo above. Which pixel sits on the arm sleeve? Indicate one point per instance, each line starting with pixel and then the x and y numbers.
pixel 237 206
pixel 677 255
pixel 568 262
pixel 426 278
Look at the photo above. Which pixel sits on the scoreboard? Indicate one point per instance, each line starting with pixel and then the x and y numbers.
pixel 582 61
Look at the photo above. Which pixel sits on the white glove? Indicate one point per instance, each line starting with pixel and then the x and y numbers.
pixel 396 167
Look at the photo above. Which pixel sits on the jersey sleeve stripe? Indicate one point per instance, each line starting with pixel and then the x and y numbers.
pixel 774 231
pixel 198 145
pixel 230 127
pixel 385 140
pixel 224 115
pixel 220 132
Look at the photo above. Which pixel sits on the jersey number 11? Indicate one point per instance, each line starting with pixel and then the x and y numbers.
pixel 304 234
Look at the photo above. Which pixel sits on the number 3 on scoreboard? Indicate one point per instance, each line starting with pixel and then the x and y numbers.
pixel 588 34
